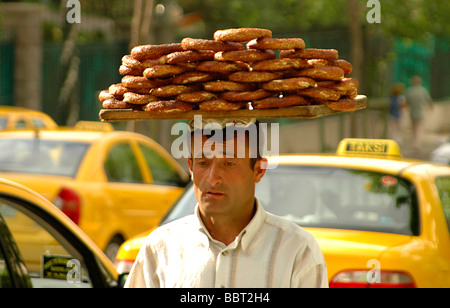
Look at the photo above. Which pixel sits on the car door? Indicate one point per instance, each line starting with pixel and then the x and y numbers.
pixel 139 204
pixel 52 255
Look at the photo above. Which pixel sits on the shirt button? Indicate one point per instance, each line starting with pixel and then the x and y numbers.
pixel 224 253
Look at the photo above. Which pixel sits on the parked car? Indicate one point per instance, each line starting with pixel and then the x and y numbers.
pixel 113 184
pixel 42 247
pixel 22 118
pixel 441 154
pixel 381 220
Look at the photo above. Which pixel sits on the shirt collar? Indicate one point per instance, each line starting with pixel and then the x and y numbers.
pixel 247 234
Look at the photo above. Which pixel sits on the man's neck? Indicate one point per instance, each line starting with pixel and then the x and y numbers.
pixel 225 229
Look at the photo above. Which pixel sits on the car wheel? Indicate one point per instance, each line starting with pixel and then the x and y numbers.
pixel 113 247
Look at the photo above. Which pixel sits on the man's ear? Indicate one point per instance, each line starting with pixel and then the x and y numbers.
pixel 260 169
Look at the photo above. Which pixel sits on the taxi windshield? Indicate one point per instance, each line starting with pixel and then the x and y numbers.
pixel 328 197
pixel 37 156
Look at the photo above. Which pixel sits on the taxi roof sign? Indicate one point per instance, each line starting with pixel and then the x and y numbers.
pixel 386 148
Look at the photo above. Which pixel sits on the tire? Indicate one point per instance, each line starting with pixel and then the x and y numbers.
pixel 112 248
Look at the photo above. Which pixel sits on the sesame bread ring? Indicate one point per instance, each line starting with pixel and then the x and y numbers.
pixel 289 84
pixel 133 71
pixel 276 43
pixel 220 105
pixel 141 83
pixel 320 93
pixel 344 85
pixel 280 101
pixel 131 62
pixel 245 96
pixel 196 97
pixel 144 52
pixel 172 90
pixel 115 104
pixel 344 104
pixel 200 44
pixel 245 55
pixel 315 62
pixel 105 95
pixel 192 77
pixel 118 90
pixel 345 65
pixel 254 76
pixel 164 70
pixel 310 53
pixel 189 56
pixel 242 35
pixel 221 67
pixel 322 73
pixel 138 99
pixel 278 64
pixel 227 85
pixel 169 106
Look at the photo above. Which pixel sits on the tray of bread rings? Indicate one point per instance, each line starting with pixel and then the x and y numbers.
pixel 242 72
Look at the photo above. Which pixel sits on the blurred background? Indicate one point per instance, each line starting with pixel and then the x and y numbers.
pixel 58 67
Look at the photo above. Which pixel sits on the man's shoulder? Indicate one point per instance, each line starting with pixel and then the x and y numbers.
pixel 293 233
pixel 286 225
pixel 175 228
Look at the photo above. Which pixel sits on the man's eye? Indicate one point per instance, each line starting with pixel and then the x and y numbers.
pixel 229 164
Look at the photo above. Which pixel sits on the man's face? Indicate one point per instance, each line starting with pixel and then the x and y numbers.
pixel 224 185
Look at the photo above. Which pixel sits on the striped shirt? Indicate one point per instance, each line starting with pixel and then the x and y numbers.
pixel 269 252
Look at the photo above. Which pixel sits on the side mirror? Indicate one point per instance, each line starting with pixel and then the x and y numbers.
pixel 122 280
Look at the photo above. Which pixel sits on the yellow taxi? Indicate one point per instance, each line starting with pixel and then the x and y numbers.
pixel 22 118
pixel 381 220
pixel 113 184
pixel 42 247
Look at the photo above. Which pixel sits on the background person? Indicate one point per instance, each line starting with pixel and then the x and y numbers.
pixel 397 102
pixel 417 98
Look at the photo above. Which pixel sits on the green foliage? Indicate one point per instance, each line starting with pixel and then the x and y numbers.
pixel 399 18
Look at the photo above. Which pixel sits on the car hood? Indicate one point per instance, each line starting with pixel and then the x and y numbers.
pixel 46 185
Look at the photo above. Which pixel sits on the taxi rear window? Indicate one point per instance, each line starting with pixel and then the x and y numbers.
pixel 327 197
pixel 37 156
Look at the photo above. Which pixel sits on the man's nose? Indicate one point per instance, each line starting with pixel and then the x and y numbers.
pixel 215 175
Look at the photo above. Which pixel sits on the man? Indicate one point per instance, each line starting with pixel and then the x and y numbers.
pixel 230 241
pixel 417 98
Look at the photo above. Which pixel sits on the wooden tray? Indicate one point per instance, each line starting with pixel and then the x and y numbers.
pixel 307 112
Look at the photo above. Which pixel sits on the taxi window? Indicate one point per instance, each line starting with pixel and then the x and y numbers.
pixel 5 276
pixel 21 123
pixel 326 197
pixel 121 165
pixel 162 171
pixel 38 156
pixel 38 122
pixel 50 259
pixel 3 122
pixel 443 187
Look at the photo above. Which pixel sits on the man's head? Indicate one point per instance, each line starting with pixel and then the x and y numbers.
pixel 416 80
pixel 225 165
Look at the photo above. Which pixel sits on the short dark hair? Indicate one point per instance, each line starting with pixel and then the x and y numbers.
pixel 253 142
